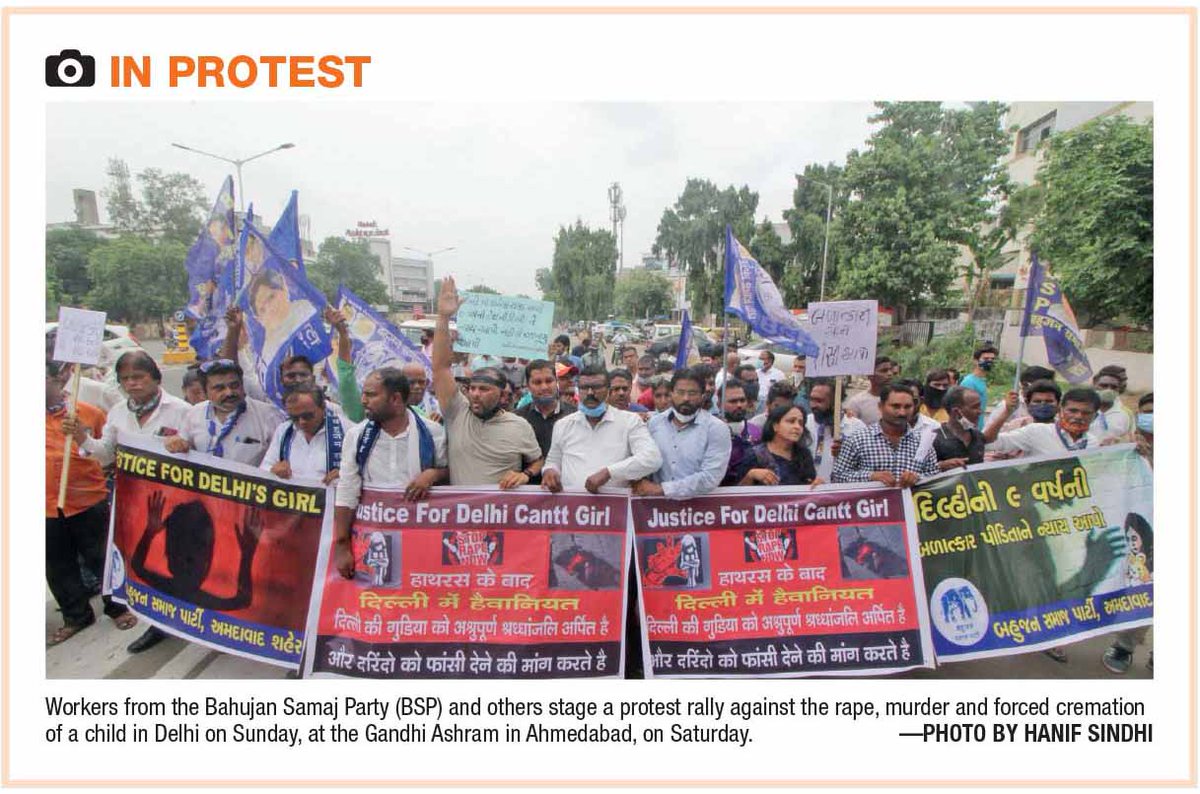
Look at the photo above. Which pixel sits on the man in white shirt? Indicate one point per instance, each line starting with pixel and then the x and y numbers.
pixel 1068 434
pixel 820 427
pixel 598 444
pixel 149 411
pixel 768 374
pixel 1113 420
pixel 394 447
pixel 309 445
pixel 228 424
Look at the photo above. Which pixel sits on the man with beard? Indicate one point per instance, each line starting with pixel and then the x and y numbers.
pixel 228 424
pixel 1068 434
pixel 487 445
pixel 742 434
pixel 545 408
pixel 824 448
pixel 394 446
pixel 599 444
pixel 694 444
pixel 886 451
pixel 958 441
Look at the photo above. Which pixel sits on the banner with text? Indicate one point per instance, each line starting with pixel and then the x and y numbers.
pixel 1025 556
pixel 780 582
pixel 215 552
pixel 475 583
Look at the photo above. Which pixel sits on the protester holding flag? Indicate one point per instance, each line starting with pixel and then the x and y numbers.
pixel 394 447
pixel 228 424
pixel 309 445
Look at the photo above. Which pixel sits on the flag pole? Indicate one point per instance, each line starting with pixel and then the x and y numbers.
pixel 66 468
pixel 1034 269
pixel 725 332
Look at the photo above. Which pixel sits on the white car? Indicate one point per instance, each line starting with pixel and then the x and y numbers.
pixel 783 356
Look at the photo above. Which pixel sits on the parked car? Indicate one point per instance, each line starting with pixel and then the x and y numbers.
pixel 705 344
pixel 783 355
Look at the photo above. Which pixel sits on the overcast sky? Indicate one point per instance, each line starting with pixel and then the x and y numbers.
pixel 493 180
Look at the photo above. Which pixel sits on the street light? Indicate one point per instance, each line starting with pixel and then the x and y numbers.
pixel 828 215
pixel 236 164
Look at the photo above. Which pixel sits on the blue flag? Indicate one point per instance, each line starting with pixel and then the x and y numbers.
pixel 285 235
pixel 685 342
pixel 375 342
pixel 206 264
pixel 752 295
pixel 282 312
pixel 1048 315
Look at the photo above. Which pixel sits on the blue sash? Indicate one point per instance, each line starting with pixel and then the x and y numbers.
pixel 333 441
pixel 370 435
pixel 216 438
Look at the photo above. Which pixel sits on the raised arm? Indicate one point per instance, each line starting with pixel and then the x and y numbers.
pixel 448 304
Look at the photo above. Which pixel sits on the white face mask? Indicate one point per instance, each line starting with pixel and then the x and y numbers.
pixel 966 423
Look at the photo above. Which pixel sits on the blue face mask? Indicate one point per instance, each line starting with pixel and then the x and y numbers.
pixel 1043 412
pixel 1145 423
pixel 593 413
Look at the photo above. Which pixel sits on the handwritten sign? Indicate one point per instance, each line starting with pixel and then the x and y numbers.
pixel 503 326
pixel 847 333
pixel 80 336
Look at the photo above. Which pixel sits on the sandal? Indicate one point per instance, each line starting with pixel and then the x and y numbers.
pixel 64 633
pixel 125 621
pixel 1057 654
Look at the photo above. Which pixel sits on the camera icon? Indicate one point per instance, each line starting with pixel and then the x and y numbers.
pixel 70 68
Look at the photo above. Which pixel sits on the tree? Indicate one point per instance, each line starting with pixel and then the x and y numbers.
pixel 691 234
pixel 801 281
pixel 928 179
pixel 137 280
pixel 485 289
pixel 171 208
pixel 584 271
pixel 67 252
pixel 642 293
pixel 342 262
pixel 769 251
pixel 1096 227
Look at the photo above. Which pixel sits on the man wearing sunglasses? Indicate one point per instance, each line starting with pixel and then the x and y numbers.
pixel 309 445
pixel 228 424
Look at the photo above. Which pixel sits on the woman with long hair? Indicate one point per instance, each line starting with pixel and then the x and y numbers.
pixel 783 457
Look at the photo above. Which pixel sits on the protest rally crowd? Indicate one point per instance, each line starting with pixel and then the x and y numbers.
pixel 588 415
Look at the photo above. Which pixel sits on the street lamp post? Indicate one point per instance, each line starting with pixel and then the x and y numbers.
pixel 237 164
pixel 828 216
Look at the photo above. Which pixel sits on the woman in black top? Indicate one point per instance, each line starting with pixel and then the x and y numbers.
pixel 783 457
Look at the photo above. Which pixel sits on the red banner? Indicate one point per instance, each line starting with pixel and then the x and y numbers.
pixel 475 583
pixel 780 582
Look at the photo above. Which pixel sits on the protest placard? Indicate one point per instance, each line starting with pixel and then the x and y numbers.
pixel 780 582
pixel 847 333
pixel 1025 556
pixel 502 326
pixel 215 552
pixel 475 583
pixel 79 337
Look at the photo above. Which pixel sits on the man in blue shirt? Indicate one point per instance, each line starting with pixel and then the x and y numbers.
pixel 695 445
pixel 985 359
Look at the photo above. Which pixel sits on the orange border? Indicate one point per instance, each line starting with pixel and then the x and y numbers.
pixel 5 375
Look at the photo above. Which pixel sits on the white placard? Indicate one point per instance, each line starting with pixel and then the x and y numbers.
pixel 847 332
pixel 80 336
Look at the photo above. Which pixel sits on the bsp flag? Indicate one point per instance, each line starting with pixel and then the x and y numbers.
pixel 208 293
pixel 285 235
pixel 1048 315
pixel 375 342
pixel 685 342
pixel 752 295
pixel 282 311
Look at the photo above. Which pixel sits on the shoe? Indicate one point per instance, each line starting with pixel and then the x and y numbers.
pixel 150 637
pixel 1057 654
pixel 1150 663
pixel 1117 660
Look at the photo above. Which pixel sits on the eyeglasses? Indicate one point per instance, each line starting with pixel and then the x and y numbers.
pixel 216 362
pixel 307 416
pixel 591 388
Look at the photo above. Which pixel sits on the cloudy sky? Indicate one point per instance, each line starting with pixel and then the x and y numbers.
pixel 495 180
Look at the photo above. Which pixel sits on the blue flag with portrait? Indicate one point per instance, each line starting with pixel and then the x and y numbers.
pixel 282 312
pixel 375 342
pixel 1048 315
pixel 752 295
pixel 285 235
pixel 207 266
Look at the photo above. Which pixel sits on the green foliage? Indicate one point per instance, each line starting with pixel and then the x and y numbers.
pixel 952 350
pixel 768 250
pixel 926 182
pixel 806 219
pixel 584 272
pixel 67 252
pixel 171 208
pixel 691 234
pixel 135 280
pixel 1096 228
pixel 341 261
pixel 485 289
pixel 642 293
pixel 544 277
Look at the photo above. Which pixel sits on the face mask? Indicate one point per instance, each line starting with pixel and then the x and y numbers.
pixel 987 365
pixel 1043 412
pixel 966 423
pixel 759 364
pixel 685 418
pixel 1074 427
pixel 933 397
pixel 488 413
pixel 593 413
pixel 1107 396
pixel 1145 423
pixel 545 402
